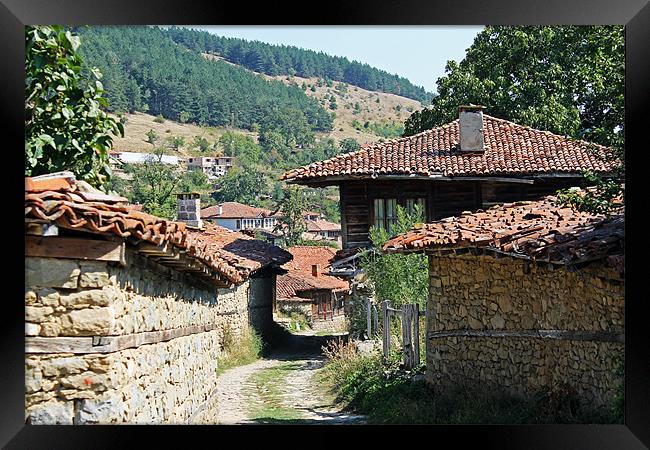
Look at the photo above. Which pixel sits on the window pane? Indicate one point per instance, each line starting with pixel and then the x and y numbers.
pixel 391 213
pixel 379 212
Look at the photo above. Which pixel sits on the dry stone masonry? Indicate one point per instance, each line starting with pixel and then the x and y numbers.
pixel 514 325
pixel 168 379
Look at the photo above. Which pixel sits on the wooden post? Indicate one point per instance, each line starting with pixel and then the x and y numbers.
pixel 416 334
pixel 375 319
pixel 369 318
pixel 406 335
pixel 386 325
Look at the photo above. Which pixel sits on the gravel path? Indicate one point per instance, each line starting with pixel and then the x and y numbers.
pixel 298 391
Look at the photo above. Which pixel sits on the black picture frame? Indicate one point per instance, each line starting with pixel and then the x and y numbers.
pixel 634 14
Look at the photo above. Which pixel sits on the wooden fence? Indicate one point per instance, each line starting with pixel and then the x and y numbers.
pixel 409 315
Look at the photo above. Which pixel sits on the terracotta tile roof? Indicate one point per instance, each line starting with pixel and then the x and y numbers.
pixel 300 278
pixel 510 149
pixel 231 254
pixel 539 231
pixel 288 287
pixel 234 210
pixel 314 226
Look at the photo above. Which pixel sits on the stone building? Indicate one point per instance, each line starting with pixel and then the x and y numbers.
pixel 308 288
pixel 126 313
pixel 524 296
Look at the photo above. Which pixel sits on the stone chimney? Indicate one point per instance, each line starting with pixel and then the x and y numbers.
pixel 315 269
pixel 189 208
pixel 471 128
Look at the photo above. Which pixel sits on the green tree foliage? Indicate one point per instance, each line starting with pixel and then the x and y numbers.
pixel 288 60
pixel 386 129
pixel 349 145
pixel 291 209
pixel 398 278
pixel 152 137
pixel 243 186
pixel 564 79
pixel 602 196
pixel 201 143
pixel 175 142
pixel 182 85
pixel 65 126
pixel 244 148
pixel 153 185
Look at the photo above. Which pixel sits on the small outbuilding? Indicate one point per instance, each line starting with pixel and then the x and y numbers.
pixel 524 296
pixel 307 287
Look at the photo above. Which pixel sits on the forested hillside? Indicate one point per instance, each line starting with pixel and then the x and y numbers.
pixel 288 60
pixel 145 70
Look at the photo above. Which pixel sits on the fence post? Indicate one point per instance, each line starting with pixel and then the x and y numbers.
pixel 416 334
pixel 406 336
pixel 386 327
pixel 375 319
pixel 369 317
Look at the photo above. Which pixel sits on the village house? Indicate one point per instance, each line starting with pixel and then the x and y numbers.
pixel 126 313
pixel 524 296
pixel 321 229
pixel 309 289
pixel 238 216
pixel 213 166
pixel 471 163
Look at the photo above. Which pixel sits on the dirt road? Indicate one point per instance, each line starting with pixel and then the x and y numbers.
pixel 280 389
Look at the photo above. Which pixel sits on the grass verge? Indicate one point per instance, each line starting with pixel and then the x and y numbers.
pixel 379 389
pixel 239 350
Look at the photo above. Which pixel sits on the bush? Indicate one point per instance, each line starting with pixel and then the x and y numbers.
pixel 239 350
pixel 386 394
pixel 159 119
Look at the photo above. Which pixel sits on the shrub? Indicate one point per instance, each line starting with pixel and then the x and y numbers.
pixel 379 389
pixel 159 119
pixel 238 350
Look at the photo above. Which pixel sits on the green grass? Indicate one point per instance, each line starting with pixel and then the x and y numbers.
pixel 267 387
pixel 239 350
pixel 295 317
pixel 378 389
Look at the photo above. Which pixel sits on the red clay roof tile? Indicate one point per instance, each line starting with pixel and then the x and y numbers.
pixel 231 254
pixel 510 149
pixel 540 230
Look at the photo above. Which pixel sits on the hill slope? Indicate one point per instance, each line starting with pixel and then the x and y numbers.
pixel 289 60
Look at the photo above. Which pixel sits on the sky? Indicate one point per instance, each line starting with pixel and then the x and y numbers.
pixel 418 53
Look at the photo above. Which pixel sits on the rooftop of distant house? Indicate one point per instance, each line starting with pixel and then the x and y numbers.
pixel 234 210
pixel 318 225
pixel 307 272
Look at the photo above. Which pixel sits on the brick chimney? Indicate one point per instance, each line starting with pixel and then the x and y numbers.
pixel 471 128
pixel 315 269
pixel 189 208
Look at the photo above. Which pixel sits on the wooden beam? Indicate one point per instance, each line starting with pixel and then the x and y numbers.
pixel 108 344
pixel 74 248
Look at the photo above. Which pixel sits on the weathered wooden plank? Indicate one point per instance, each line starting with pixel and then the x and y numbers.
pixel 602 336
pixel 369 318
pixel 386 328
pixel 107 344
pixel 75 248
pixel 416 334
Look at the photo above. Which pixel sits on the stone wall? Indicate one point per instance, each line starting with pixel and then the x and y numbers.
pixel 166 381
pixel 485 315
